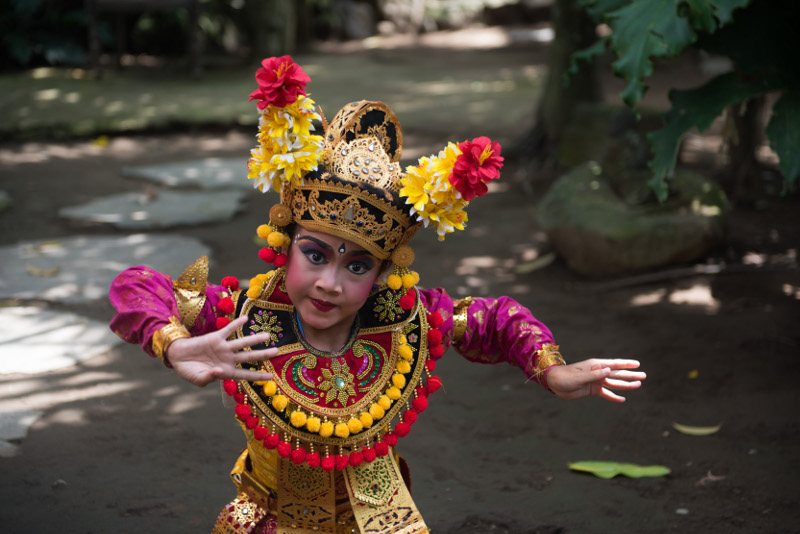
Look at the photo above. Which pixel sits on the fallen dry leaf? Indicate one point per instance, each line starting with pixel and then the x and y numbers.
pixel 696 430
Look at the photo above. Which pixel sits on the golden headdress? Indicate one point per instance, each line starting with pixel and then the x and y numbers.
pixel 349 182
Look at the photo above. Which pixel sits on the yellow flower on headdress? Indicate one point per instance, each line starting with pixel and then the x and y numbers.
pixel 287 150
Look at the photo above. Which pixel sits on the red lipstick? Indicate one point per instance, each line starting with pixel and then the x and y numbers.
pixel 322 305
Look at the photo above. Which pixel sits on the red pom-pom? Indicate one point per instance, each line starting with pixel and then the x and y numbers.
pixel 271 441
pixel 267 254
pixel 260 433
pixel 434 383
pixel 436 351
pixel 222 322
pixel 280 260
pixel 284 449
pixel 410 417
pixel 225 305
pixel 298 456
pixel 420 404
pixel 313 459
pixel 422 391
pixel 369 454
pixel 231 283
pixel 430 365
pixel 341 462
pixel 356 458
pixel 328 463
pixel 381 448
pixel 434 337
pixel 402 429
pixel 435 320
pixel 238 397
pixel 230 387
pixel 242 411
pixel 406 302
pixel 251 422
pixel 390 439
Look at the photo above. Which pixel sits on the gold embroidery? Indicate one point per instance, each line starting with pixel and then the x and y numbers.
pixel 395 513
pixel 306 499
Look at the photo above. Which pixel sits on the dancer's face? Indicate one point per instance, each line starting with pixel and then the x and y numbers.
pixel 328 280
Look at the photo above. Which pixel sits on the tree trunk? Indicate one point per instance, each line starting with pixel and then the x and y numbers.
pixel 574 31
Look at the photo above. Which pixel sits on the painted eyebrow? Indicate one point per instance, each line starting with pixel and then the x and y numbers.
pixel 327 247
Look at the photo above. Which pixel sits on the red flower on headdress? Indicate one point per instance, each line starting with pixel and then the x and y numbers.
pixel 478 164
pixel 280 81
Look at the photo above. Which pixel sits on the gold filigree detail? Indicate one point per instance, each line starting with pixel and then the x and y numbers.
pixel 388 306
pixel 190 291
pixel 338 383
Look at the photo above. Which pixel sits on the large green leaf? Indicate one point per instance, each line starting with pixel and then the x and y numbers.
pixel 783 131
pixel 708 15
pixel 642 30
pixel 694 108
pixel 612 469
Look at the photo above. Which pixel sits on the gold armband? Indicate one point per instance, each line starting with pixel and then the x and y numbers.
pixel 164 337
pixel 190 291
pixel 547 356
pixel 460 318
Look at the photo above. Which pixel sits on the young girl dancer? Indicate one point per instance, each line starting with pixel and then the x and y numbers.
pixel 330 357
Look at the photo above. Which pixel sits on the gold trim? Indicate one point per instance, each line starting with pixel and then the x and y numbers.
pixel 546 357
pixel 164 337
pixel 460 317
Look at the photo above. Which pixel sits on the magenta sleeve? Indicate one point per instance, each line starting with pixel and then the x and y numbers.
pixel 497 330
pixel 145 301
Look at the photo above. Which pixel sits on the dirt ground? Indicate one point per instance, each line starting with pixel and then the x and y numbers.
pixel 125 447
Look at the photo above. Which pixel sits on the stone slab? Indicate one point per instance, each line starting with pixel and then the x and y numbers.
pixel 207 173
pixel 14 425
pixel 158 209
pixel 80 269
pixel 35 340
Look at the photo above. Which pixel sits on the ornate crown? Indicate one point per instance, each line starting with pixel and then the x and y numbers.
pixel 349 182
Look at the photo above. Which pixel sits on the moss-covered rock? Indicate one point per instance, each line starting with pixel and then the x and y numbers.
pixel 598 233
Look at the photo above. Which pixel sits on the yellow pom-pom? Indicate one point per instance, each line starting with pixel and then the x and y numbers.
pixel 298 419
pixel 326 429
pixel 405 352
pixel 254 292
pixel 287 241
pixel 399 381
pixel 354 425
pixel 385 402
pixel 403 367
pixel 279 402
pixel 270 388
pixel 394 282
pixel 342 430
pixel 313 424
pixel 376 411
pixel 403 339
pixel 415 274
pixel 408 281
pixel 366 419
pixel 263 231
pixel 275 239
pixel 393 393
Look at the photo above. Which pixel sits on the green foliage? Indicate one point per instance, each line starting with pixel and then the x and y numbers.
pixel 759 38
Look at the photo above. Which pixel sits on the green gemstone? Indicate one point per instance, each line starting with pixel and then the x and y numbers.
pixel 339 382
